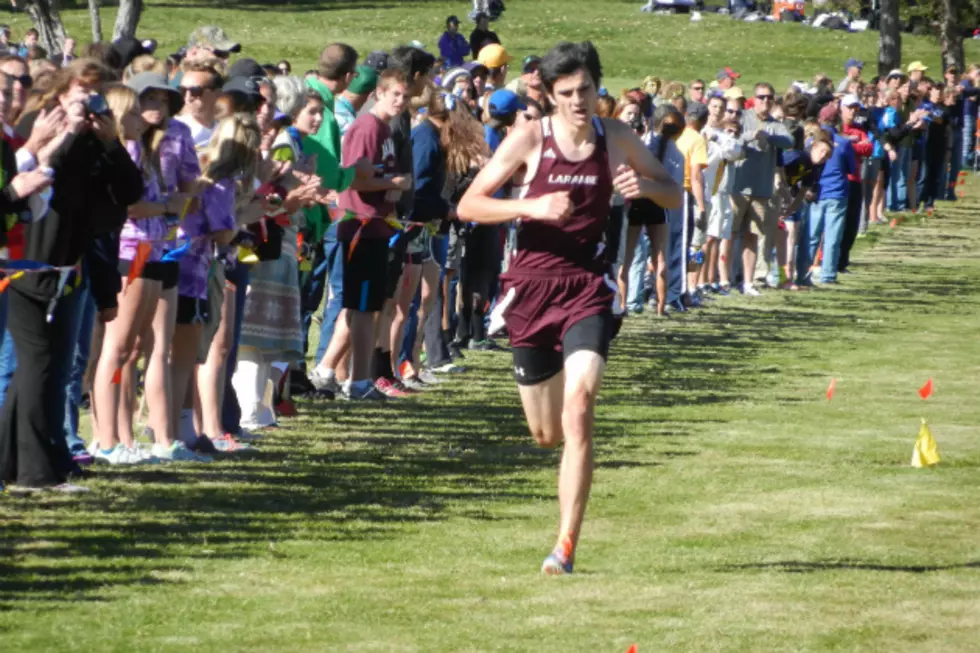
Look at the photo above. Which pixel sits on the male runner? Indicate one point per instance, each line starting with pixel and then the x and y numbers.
pixel 558 306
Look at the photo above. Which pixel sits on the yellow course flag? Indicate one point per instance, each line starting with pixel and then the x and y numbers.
pixel 926 452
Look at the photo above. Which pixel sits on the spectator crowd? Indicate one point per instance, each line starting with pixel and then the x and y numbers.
pixel 178 229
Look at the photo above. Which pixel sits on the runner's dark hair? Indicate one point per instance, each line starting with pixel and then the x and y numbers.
pixel 567 58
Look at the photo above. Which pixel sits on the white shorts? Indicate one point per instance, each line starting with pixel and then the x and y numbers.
pixel 720 216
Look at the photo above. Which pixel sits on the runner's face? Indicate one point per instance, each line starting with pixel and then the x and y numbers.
pixel 575 97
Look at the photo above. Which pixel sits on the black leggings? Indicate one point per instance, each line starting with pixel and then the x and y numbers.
pixel 481 264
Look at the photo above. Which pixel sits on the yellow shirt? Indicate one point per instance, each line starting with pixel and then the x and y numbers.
pixel 695 150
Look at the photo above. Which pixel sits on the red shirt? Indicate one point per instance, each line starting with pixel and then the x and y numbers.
pixel 368 137
pixel 862 146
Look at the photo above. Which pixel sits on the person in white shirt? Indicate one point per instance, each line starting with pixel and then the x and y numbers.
pixel 724 147
pixel 201 86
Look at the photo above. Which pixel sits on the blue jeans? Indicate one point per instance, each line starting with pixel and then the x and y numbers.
pixel 897 196
pixel 827 218
pixel 803 243
pixel 83 341
pixel 333 268
pixel 637 273
pixel 8 358
pixel 968 135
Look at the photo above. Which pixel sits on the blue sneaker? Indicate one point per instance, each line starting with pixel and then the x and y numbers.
pixel 561 559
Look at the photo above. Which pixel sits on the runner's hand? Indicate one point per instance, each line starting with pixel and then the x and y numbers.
pixel 627 183
pixel 553 207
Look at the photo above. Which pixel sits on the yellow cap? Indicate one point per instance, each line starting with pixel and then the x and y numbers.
pixel 917 66
pixel 494 56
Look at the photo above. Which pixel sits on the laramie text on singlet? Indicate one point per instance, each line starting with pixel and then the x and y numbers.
pixel 573 180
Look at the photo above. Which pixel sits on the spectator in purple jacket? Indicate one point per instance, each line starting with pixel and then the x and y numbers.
pixel 452 45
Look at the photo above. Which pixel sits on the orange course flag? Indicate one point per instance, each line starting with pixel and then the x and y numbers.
pixel 926 391
pixel 3 284
pixel 143 251
pixel 632 649
pixel 831 388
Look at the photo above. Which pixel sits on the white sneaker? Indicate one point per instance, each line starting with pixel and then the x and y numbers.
pixel 178 452
pixel 750 291
pixel 144 454
pixel 119 455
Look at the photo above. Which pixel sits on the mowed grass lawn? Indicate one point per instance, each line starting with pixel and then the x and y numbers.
pixel 735 508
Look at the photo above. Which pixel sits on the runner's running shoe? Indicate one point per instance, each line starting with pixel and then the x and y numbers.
pixel 561 559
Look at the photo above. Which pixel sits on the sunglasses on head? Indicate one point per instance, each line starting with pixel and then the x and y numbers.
pixel 764 97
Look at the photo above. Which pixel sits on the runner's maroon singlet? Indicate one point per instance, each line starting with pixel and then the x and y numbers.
pixel 574 242
pixel 556 278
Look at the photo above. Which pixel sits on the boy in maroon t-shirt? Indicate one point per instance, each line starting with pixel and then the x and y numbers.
pixel 364 231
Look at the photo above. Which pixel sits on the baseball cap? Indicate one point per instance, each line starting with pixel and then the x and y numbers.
pixel 917 66
pixel 365 80
pixel 531 62
pixel 828 113
pixel 851 100
pixel 452 19
pixel 150 81
pixel 697 111
pixel 727 72
pixel 247 86
pixel 853 63
pixel 494 56
pixel 245 68
pixel 896 72
pixel 479 15
pixel 472 66
pixel 213 37
pixel 125 49
pixel 377 60
pixel 504 102
pixel 734 93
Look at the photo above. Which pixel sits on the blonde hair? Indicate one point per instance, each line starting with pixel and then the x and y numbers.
pixel 121 100
pixel 144 63
pixel 233 152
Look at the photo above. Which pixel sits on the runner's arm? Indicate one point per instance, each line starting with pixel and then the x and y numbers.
pixel 655 182
pixel 478 203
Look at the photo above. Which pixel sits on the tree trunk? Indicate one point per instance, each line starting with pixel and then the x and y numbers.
pixel 950 37
pixel 93 14
pixel 889 38
pixel 127 19
pixel 44 14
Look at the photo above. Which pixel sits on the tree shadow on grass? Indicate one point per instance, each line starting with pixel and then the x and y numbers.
pixel 377 470
pixel 801 567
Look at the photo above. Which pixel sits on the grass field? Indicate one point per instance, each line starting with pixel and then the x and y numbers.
pixel 632 44
pixel 735 508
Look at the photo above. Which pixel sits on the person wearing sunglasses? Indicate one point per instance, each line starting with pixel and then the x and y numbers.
pixel 754 183
pixel 697 91
pixel 16 68
pixel 200 85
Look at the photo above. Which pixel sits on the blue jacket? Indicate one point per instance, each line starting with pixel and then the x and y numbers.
pixel 842 162
pixel 453 48
pixel 429 170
